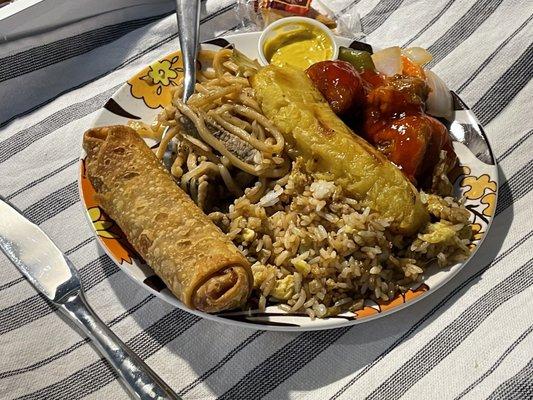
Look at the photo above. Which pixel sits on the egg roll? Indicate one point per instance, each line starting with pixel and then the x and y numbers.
pixel 196 260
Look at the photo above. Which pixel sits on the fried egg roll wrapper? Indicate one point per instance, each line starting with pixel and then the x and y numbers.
pixel 198 263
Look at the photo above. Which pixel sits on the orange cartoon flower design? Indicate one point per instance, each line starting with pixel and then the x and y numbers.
pixel 101 223
pixel 490 200
pixel 476 231
pixel 154 84
pixel 477 185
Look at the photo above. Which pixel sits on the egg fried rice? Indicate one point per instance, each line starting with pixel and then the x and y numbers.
pixel 315 251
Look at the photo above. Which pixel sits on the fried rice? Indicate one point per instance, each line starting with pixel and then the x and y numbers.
pixel 315 251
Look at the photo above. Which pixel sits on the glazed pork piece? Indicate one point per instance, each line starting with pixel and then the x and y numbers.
pixel 395 122
pixel 390 113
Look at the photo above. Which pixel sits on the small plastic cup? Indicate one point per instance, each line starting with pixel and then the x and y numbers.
pixel 269 32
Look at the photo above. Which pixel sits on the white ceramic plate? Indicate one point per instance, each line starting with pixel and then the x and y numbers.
pixel 476 178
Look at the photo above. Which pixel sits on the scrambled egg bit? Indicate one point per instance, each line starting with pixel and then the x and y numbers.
pixel 260 273
pixel 301 266
pixel 283 288
pixel 438 232
pixel 248 234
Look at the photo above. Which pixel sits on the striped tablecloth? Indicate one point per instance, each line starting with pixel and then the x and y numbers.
pixel 470 339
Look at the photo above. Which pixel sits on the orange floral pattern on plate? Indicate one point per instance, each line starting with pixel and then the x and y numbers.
pixel 372 307
pixel 490 201
pixel 476 231
pixel 481 190
pixel 478 186
pixel 154 85
pixel 109 233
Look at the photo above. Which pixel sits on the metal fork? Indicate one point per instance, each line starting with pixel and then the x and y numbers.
pixel 188 13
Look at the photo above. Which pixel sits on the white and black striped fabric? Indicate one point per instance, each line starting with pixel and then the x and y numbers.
pixel 471 339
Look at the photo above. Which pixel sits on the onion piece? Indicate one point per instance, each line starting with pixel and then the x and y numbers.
pixel 439 102
pixel 388 61
pixel 418 55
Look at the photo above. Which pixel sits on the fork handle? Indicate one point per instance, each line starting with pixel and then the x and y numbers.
pixel 188 13
pixel 138 378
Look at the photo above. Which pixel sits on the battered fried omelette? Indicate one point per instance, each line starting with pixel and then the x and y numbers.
pixel 288 98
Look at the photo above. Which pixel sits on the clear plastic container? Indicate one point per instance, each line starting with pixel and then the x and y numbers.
pixel 340 16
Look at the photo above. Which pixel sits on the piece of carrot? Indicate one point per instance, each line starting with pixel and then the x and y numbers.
pixel 411 68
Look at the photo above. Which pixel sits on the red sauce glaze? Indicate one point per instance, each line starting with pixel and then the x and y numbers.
pixel 389 112
pixel 371 79
pixel 340 83
pixel 401 141
pixel 395 122
pixel 412 141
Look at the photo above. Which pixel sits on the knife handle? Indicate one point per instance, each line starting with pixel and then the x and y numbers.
pixel 138 378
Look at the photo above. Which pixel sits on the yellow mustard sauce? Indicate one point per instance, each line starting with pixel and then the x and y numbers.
pixel 299 45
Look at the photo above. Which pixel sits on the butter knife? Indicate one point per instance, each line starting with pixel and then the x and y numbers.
pixel 52 274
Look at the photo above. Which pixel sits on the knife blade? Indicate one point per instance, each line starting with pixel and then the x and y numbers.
pixel 53 275
pixel 35 255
